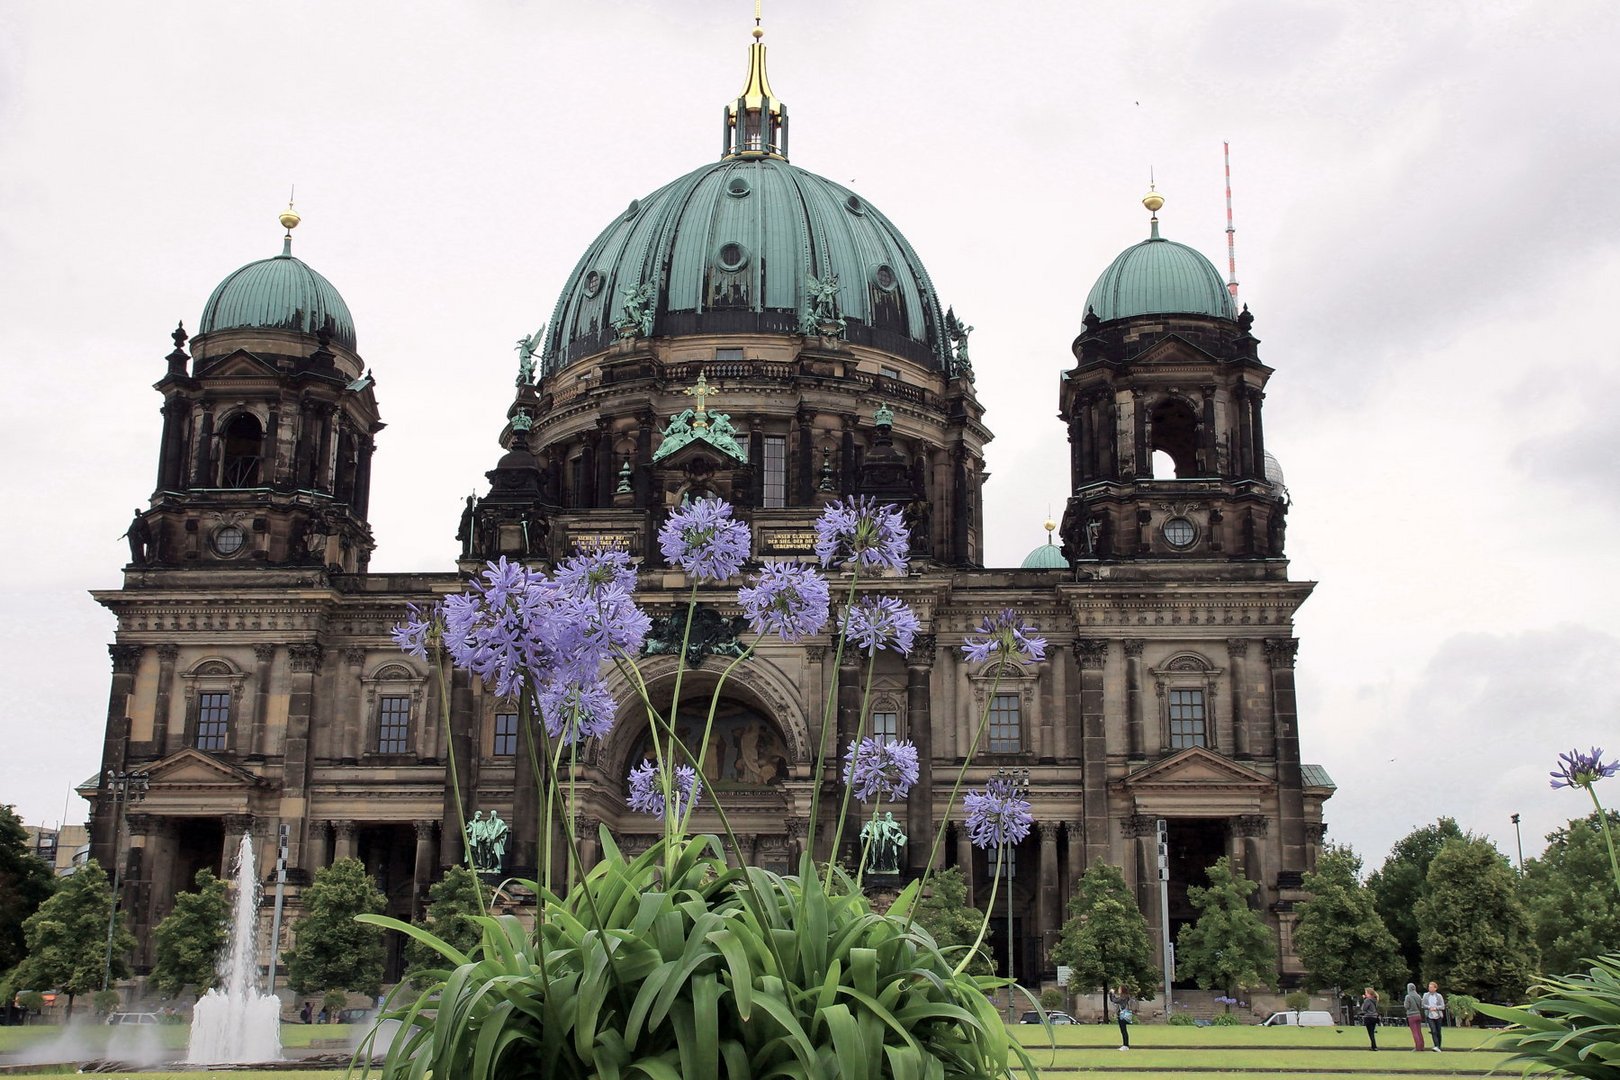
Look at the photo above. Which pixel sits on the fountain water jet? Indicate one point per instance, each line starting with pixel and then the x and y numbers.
pixel 235 1023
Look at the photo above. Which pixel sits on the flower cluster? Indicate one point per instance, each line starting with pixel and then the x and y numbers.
pixel 1582 770
pixel 857 531
pixel 1007 636
pixel 879 622
pixel 786 599
pixel 873 766
pixel 998 815
pixel 415 634
pixel 703 539
pixel 647 794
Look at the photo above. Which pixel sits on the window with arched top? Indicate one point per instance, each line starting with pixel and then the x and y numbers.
pixel 1174 443
pixel 241 444
pixel 394 698
pixel 213 694
pixel 1186 684
pixel 1004 700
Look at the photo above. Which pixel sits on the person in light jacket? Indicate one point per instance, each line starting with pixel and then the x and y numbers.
pixel 1434 1009
pixel 1414 1015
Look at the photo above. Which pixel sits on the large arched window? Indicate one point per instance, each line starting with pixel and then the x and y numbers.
pixel 746 749
pixel 1175 435
pixel 242 441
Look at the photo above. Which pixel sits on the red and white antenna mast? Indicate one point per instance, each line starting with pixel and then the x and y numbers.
pixel 1231 234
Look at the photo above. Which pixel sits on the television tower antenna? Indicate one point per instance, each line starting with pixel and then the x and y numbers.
pixel 1231 234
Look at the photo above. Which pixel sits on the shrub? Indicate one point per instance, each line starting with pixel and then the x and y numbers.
pixel 1226 1020
pixel 1051 998
pixel 1463 1007
pixel 1182 1020
pixel 104 1001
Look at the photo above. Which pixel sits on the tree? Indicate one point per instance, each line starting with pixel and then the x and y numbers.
pixel 1474 929
pixel 1229 948
pixel 1105 941
pixel 189 940
pixel 332 950
pixel 950 920
pixel 1570 893
pixel 1400 884
pixel 450 901
pixel 1340 937
pixel 25 883
pixel 67 937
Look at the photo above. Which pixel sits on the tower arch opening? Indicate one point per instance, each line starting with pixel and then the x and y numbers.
pixel 1174 444
pixel 241 444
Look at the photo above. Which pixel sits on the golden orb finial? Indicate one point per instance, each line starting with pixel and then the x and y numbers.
pixel 289 217
pixel 1050 526
pixel 1153 200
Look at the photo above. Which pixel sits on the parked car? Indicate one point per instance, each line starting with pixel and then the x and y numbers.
pixel 355 1016
pixel 1301 1018
pixel 134 1018
pixel 1053 1017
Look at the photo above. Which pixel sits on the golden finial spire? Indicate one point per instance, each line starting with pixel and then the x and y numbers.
pixel 759 31
pixel 756 120
pixel 1153 200
pixel 1050 526
pixel 289 220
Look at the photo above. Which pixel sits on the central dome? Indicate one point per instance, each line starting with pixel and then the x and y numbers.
pixel 730 248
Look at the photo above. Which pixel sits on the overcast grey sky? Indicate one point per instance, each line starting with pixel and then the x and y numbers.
pixel 1425 235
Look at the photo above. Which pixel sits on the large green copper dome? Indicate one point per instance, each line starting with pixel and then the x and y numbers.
pixel 731 248
pixel 1160 277
pixel 280 293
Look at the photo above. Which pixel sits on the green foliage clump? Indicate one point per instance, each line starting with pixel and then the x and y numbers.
pixel 1051 998
pixel 1182 1020
pixel 1297 1000
pixel 25 883
pixel 1403 881
pixel 453 904
pixel 951 921
pixel 1226 1020
pixel 1573 903
pixel 1229 947
pixel 104 1001
pixel 1340 937
pixel 1571 1025
pixel 1462 1007
pixel 1473 927
pixel 67 937
pixel 1105 940
pixel 334 950
pixel 188 941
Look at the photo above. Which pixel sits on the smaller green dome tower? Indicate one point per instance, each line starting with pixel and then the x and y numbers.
pixel 279 293
pixel 1159 277
pixel 1048 556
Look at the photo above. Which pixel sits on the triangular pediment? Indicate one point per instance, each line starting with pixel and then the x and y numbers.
pixel 1196 767
pixel 1174 349
pixel 191 767
pixel 240 364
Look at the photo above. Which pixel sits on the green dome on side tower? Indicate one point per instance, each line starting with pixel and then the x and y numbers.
pixel 279 293
pixel 1048 556
pixel 1160 277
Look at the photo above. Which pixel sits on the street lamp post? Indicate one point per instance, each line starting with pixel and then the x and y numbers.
pixel 1018 783
pixel 1519 840
pixel 126 787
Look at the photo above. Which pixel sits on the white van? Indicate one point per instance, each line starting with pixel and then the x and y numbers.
pixel 1303 1018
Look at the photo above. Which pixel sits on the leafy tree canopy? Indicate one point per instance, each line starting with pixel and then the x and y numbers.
pixel 1229 947
pixel 1474 929
pixel 332 951
pixel 1340 937
pixel 951 920
pixel 25 883
pixel 1400 884
pixel 1105 940
pixel 1572 897
pixel 452 901
pixel 67 937
pixel 189 939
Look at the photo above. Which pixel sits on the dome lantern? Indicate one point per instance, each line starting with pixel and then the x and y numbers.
pixel 756 122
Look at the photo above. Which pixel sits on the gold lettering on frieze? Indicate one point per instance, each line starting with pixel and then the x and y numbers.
pixel 603 540
pixel 787 541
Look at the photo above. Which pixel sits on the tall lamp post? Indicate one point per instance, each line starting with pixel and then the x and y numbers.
pixel 126 787
pixel 1017 781
pixel 1519 840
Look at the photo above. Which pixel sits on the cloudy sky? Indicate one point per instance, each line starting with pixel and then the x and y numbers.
pixel 1425 235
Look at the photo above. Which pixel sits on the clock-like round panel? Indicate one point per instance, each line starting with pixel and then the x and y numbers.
pixel 1179 532
pixel 228 540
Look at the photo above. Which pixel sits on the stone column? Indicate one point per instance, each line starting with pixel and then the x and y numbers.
pixel 126 662
pixel 849 714
pixel 1143 870
pixel 305 661
pixel 427 859
pixel 919 725
pixel 351 706
pixel 1280 653
pixel 964 859
pixel 152 899
pixel 167 654
pixel 1087 703
pixel 590 843
pixel 1075 831
pixel 1048 919
pixel 1238 650
pixel 344 847
pixel 796 828
pixel 1135 705
pixel 320 845
pixel 263 656
pixel 1248 839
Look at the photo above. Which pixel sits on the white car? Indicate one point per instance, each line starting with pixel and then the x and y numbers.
pixel 1302 1018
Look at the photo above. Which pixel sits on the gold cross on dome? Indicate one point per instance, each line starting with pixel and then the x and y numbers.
pixel 702 390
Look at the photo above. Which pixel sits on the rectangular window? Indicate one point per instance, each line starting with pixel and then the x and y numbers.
pixel 775 471
pixel 889 372
pixel 576 482
pixel 213 721
pixel 505 734
pixel 1186 719
pixel 886 727
pixel 394 726
pixel 723 356
pixel 1006 727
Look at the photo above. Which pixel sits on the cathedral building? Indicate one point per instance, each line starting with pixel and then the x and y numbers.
pixel 752 331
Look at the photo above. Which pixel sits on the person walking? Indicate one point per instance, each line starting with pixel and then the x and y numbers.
pixel 1369 1016
pixel 1434 1008
pixel 1123 1002
pixel 1414 1015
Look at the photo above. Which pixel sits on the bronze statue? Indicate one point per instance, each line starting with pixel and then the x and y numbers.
pixel 526 348
pixel 886 840
pixel 140 539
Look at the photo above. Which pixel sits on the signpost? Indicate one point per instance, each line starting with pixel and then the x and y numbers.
pixel 275 921
pixel 1164 913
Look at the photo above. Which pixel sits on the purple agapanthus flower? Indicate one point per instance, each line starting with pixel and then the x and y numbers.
pixel 873 766
pixel 414 634
pixel 787 599
pixel 588 572
pixel 574 712
pixel 880 622
pixel 1006 635
pixel 501 629
pixel 704 540
pixel 646 790
pixel 1582 770
pixel 998 815
pixel 860 532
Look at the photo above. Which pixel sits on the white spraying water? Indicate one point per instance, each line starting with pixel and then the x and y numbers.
pixel 235 1023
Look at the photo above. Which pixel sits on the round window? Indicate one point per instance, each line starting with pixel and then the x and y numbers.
pixel 732 256
pixel 593 283
pixel 884 277
pixel 737 187
pixel 854 205
pixel 634 208
pixel 229 539
pixel 1179 532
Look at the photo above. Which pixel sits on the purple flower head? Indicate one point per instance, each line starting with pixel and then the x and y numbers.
pixel 857 530
pixel 1006 635
pixel 646 789
pixel 704 540
pixel 880 622
pixel 872 766
pixel 997 816
pixel 502 629
pixel 574 712
pixel 588 572
pixel 416 633
pixel 788 599
pixel 1582 770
